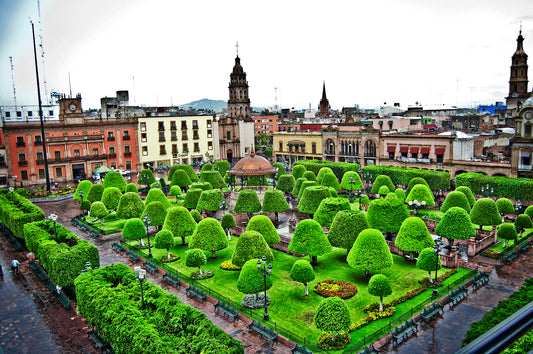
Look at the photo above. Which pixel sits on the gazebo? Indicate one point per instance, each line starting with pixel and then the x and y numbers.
pixel 252 166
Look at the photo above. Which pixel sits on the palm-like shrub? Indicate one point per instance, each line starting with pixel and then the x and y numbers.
pixel 251 281
pixel 328 208
pixel 190 172
pixel 228 222
pixel 455 225
pixel 485 212
pixel 180 222
pixel 248 202
pixel 427 260
pixel 205 186
pixel 455 199
pixel 134 230
pixel 298 171
pixel 413 236
pixel 505 206
pixel 264 226
pixel 382 180
pixel 285 183
pixel 422 193
pixel 309 175
pixel 250 245
pixel 95 193
pixel 157 195
pixel 146 177
pixel 131 187
pixel 213 177
pixel 413 182
pixel 345 228
pixel 387 214
pixel 274 202
pixel 506 232
pixel 130 206
pixel 332 315
pixel 306 184
pixel 330 180
pixel 356 181
pixel 180 178
pixel 311 199
pixel 111 198
pixel 309 239
pixel 114 179
pixel 370 252
pixel 85 187
pixel 191 197
pixel 196 258
pixel 157 213
pixel 468 193
pixel 164 239
pixel 379 285
pixel 302 272
pixel 210 200
pixel 209 236
pixel 296 190
pixel 522 222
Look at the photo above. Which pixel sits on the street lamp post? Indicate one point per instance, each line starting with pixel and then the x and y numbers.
pixel 518 207
pixel 487 190
pixel 436 249
pixel 141 275
pixel 359 195
pixel 351 181
pixel 267 271
pixel 416 205
pixel 146 220
pixel 11 190
pixel 53 217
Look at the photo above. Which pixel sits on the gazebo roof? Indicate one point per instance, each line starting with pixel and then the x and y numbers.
pixel 252 166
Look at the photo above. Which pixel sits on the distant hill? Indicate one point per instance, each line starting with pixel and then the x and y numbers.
pixel 206 104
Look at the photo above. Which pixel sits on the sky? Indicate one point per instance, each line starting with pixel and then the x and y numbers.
pixel 171 52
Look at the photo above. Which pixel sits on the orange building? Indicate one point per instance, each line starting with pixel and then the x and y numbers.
pixel 265 124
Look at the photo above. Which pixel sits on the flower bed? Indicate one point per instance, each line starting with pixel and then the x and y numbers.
pixel 342 289
pixel 227 265
pixel 327 341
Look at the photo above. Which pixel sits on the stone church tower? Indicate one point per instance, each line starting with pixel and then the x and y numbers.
pixel 324 109
pixel 518 82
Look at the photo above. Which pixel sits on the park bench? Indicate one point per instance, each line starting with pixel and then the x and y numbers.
pixel 116 246
pixel 263 330
pixel 100 343
pixel 134 256
pixel 193 291
pixel 431 311
pixel 173 279
pixel 84 228
pixel 369 350
pixel 510 257
pixel 152 268
pixel 480 279
pixel 524 247
pixel 301 349
pixel 64 300
pixel 75 222
pixel 457 295
pixel 404 331
pixel 227 310
pixel 94 233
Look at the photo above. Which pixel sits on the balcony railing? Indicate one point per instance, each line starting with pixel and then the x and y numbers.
pixel 525 167
pixel 110 138
pixel 173 127
pixel 112 155
pixel 183 127
pixel 329 152
pixel 161 139
pixel 38 143
pixel 184 137
pixel 23 163
pixel 162 152
pixel 126 137
pixel 127 154
pixel 173 138
pixel 21 144
pixel 195 137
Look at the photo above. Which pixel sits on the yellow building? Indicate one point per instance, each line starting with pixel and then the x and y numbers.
pixel 294 146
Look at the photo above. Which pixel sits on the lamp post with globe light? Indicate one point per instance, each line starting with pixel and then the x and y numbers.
pixel 436 248
pixel 146 220
pixel 351 181
pixel 266 271
pixel 141 275
pixel 416 205
pixel 53 217
pixel 518 207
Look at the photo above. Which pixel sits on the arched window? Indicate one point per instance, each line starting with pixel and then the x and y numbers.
pixel 370 148
pixel 330 146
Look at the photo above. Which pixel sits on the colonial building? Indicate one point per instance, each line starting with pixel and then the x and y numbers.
pixel 518 81
pixel 293 146
pixel 522 143
pixel 265 124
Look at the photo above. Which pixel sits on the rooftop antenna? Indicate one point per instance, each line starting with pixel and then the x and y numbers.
pixel 42 53
pixel 134 99
pixel 275 99
pixel 237 46
pixel 13 80
pixel 69 86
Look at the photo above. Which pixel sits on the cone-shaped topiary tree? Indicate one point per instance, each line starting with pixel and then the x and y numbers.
pixel 111 198
pixel 173 169
pixel 400 193
pixel 505 206
pixel 306 184
pixel 157 213
pixel 251 281
pixel 191 197
pixel 426 261
pixel 209 236
pixel 190 172
pixel 164 239
pixel 85 187
pixel 455 199
pixel 228 222
pixel 247 202
pixel 297 185
pixel 420 193
pixel 250 245
pixel 506 232
pixel 205 186
pixel 210 200
pixel 413 236
pixel 302 272
pixel 286 183
pixel 146 177
pixel 468 193
pixel 328 208
pixel 522 222
pixel 356 181
pixel 309 239
pixel 309 175
pixel 370 252
pixel 332 315
pixel 180 222
pixel 98 210
pixel 157 195
pixel 345 228
pixel 383 191
pixel 206 167
pixel 382 180
pixel 529 211
pixel 311 199
pixel 413 182
pixel 264 226
pixel 130 206
pixel 387 214
pixel 196 258
pixel 379 285
pixel 114 179
pixel 95 193
pixel 180 178
pixel 455 225
pixel 330 180
pixel 222 166
pixel 485 212
pixel 196 215
pixel 274 202
pixel 298 171
pixel 213 177
pixel 131 187
pixel 134 230
pixel 281 170
pixel 175 191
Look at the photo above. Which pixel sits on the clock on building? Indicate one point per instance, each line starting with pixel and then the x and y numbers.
pixel 72 107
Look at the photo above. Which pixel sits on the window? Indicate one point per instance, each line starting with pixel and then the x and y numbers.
pixel 162 150
pixel 391 155
pixel 76 153
pixel 127 148
pixel 51 113
pixel 440 158
pixel 38 141
pixel 125 135
pixel 195 124
pixel 20 141
pixel 173 125
pixel 161 136
pixel 184 135
pixel 143 126
pixel 39 155
pixel 209 123
pixel 161 126
pixel 111 149
pixel 209 133
pixel 8 114
pixel 113 165
pixel 425 156
pixel 209 145
pixel 183 125
pixel 24 175
pixel 57 155
pixel 173 136
pixel 41 173
pixel 22 157
pixel 110 136
pixel 59 172
pixel 19 114
pixel 313 148
pixel 196 147
pixel 174 148
pixel 143 137
pixel 185 148
pixel 128 165
pixel 527 131
pixel 145 150
pixel 30 114
pixel 281 146
pixel 228 135
pixel 195 135
pixel 95 151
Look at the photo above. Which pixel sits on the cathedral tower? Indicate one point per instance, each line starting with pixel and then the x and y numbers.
pixel 239 102
pixel 518 82
pixel 324 109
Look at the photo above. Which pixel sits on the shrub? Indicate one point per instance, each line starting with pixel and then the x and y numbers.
pixel 468 193
pixel 302 272
pixel 309 175
pixel 175 190
pixel 306 184
pixel 131 187
pixel 130 206
pixel 382 180
pixel 455 225
pixel 173 169
pixel 181 179
pixel 250 245
pixel 322 172
pixel 413 182
pixel 387 214
pixel 111 198
pixel 196 215
pixel 509 187
pixel 222 166
pixel 264 226
pixel 311 199
pixel 328 341
pixel 228 222
pixel 213 177
pixel 114 179
pixel 156 211
pixel 209 236
pixel 285 183
pixel 356 181
pixel 95 193
pixel 251 281
pixel 274 202
pixel 455 199
pixel 332 314
pixel 505 206
pixel 164 239
pixel 210 200
pixel 227 265
pixel 383 191
pixel 522 222
pixel 485 212
pixel 190 172
pixel 421 193
pixel 529 211
pixel 437 180
pixel 400 193
pixel 205 186
pixel 427 260
pixel 413 235
pixel 298 171
pixel 157 195
pixel 330 180
pixel 370 252
pixel 333 192
pixel 84 186
pixel 296 190
pixel 345 228
pixel 506 232
pixel 379 285
pixel 338 168
pixel 133 229
pixel 281 170
pixel 146 177
pixel 328 208
pixel 191 198
pixel 248 202
pixel 180 222
pixel 309 239
pixel 98 210
pixel 206 167
pixel 196 258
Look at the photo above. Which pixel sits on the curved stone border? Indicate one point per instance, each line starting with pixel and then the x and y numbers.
pixel 51 199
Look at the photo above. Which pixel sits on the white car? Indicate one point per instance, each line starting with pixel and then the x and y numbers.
pixel 123 172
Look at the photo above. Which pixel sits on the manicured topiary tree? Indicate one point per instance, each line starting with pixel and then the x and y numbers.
pixel 370 252
pixel 387 214
pixel 196 258
pixel 506 232
pixel 264 226
pixel 383 191
pixel 222 166
pixel 281 170
pixel 485 212
pixel 296 190
pixel 111 198
pixel 157 195
pixel 180 178
pixel 157 213
pixel 95 193
pixel 379 285
pixel 196 215
pixel 332 315
pixel 248 202
pixel 382 180
pixel 130 206
pixel 191 197
pixel 146 177
pixel 286 183
pixel 309 239
pixel 156 185
pixel 309 175
pixel 322 172
pixel 330 180
pixel 505 206
pixel 173 169
pixel 209 236
pixel 298 171
pixel 180 222
pixel 86 205
pixel 228 222
pixel 426 261
pixel 328 208
pixel 356 181
pixel 85 187
pixel 131 187
pixel 413 236
pixel 213 177
pixel 333 192
pixel 529 211
pixel 302 272
pixel 455 225
pixel 250 245
pixel 98 210
pixel 274 202
pixel 468 193
pixel 175 191
pixel 134 230
pixel 251 281
pixel 210 200
pixel 311 199
pixel 114 179
pixel 345 228
pixel 522 222
pixel 422 193
pixel 190 172
pixel 206 167
pixel 306 184
pixel 455 199
pixel 400 193
pixel 205 186
pixel 164 239
pixel 413 182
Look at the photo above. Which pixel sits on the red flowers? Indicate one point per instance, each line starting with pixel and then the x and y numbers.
pixel 342 289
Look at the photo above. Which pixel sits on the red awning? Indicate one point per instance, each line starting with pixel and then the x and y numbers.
pixel 391 148
pixel 404 148
pixel 428 126
pixel 439 151
pixel 424 150
pixel 414 149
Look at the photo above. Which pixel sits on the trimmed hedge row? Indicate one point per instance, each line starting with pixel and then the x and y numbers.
pixel 437 180
pixel 63 257
pixel 109 299
pixel 509 187
pixel 338 168
pixel 16 210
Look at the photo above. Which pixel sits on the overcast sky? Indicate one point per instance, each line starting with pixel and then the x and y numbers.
pixel 174 51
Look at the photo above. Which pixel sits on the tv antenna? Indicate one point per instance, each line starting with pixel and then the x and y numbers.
pixel 42 53
pixel 13 80
pixel 275 99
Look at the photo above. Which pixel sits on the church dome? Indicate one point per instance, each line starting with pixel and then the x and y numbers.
pixel 528 102
pixel 252 166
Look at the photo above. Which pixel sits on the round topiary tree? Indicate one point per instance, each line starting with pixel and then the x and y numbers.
pixel 298 171
pixel 309 239
pixel 330 180
pixel 247 202
pixel 164 239
pixel 251 281
pixel 274 202
pixel 157 195
pixel 310 176
pixel 190 172
pixel 427 260
pixel 356 181
pixel 400 193
pixel 228 222
pixel 370 252
pixel 196 215
pixel 191 197
pixel 522 222
pixel 286 183
pixel 209 236
pixel 296 190
pixel 332 315
pixel 420 193
pixel 205 186
pixel 455 225
pixel 413 182
pixel 175 191
pixel 379 285
pixel 157 213
pixel 345 228
pixel 322 172
pixel 455 199
pixel 505 206
pixel 98 211
pixel 311 199
pixel 210 200
pixel 213 177
pixel 146 177
pixel 130 206
pixel 302 272
pixel 222 166
pixel 180 178
pixel 387 214
pixel 206 167
pixel 134 230
pixel 328 208
pixel 131 187
pixel 413 236
pixel 114 179
pixel 383 191
pixel 95 193
pixel 529 211
pixel 250 245
pixel 196 258
pixel 468 193
pixel 485 212
pixel 506 232
pixel 85 187
pixel 111 198
pixel 382 180
pixel 306 184
pixel 180 222
pixel 264 226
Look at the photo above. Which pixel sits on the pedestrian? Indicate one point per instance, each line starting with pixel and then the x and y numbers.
pixel 15 266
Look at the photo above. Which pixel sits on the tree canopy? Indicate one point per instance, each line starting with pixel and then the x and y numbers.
pixel 209 236
pixel 382 180
pixel 485 212
pixel 328 208
pixel 250 245
pixel 455 225
pixel 332 315
pixel 180 222
pixel 455 199
pixel 370 252
pixel 345 228
pixel 379 285
pixel 387 214
pixel 302 272
pixel 311 199
pixel 309 238
pixel 130 206
pixel 413 235
pixel 264 226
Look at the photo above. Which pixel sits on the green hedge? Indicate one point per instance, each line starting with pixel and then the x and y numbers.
pixel 508 187
pixel 63 257
pixel 437 180
pixel 338 168
pixel 109 299
pixel 16 210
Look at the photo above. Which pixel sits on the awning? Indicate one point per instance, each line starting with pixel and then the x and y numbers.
pixel 428 126
pixel 290 144
pixel 525 154
pixel 367 122
pixel 391 148
pixel 414 149
pixel 424 150
pixel 439 151
pixel 302 145
pixel 404 148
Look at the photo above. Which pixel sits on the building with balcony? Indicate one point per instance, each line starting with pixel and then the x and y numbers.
pixel 265 124
pixel 522 142
pixel 294 146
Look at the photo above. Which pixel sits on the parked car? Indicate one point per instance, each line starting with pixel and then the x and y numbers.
pixel 123 172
